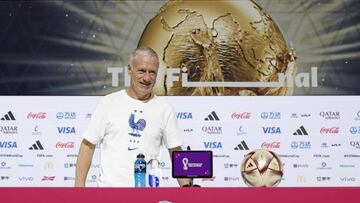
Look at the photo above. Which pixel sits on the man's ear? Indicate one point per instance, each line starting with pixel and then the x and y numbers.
pixel 129 68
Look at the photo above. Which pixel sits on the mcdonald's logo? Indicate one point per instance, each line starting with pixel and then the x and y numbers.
pixel 49 165
pixel 300 179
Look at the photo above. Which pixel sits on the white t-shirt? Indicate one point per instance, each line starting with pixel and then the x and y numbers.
pixel 126 127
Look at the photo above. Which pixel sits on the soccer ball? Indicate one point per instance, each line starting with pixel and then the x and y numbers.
pixel 261 168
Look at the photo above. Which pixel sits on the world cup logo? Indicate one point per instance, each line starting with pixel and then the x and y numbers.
pixel 185 162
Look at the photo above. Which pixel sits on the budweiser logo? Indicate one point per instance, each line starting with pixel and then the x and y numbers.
pixel 40 115
pixel 65 145
pixel 245 115
pixel 49 178
pixel 270 145
pixel 333 130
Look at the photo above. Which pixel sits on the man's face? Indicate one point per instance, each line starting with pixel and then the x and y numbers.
pixel 143 72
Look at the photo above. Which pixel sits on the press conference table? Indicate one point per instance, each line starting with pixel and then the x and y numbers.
pixel 245 195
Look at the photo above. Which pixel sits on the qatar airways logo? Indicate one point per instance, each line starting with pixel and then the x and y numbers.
pixel 330 114
pixel 270 145
pixel 67 145
pixel 241 116
pixel 332 130
pixel 357 116
pixel 39 115
pixel 212 130
pixel 355 144
pixel 8 130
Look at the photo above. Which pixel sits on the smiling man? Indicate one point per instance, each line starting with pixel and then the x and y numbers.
pixel 127 123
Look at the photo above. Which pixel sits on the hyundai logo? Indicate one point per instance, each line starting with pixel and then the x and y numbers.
pixel 264 115
pixel 294 145
pixel 353 130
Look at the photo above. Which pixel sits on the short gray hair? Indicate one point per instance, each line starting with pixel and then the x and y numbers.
pixel 143 51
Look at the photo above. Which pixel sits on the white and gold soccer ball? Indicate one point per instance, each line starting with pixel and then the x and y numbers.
pixel 261 168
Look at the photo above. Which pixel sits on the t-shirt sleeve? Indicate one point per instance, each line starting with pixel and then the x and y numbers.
pixel 171 130
pixel 95 131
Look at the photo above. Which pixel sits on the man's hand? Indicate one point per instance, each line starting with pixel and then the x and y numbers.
pixel 182 181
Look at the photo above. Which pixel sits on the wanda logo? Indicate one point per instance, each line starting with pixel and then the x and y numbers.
pixel 244 115
pixel 333 130
pixel 268 145
pixel 40 115
pixel 65 145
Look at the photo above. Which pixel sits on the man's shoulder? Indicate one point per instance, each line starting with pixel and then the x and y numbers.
pixel 114 96
pixel 162 102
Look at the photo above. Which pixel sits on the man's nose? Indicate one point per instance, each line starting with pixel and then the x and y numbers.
pixel 147 76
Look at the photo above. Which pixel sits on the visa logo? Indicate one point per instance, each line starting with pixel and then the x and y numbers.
pixel 271 130
pixel 8 144
pixel 184 115
pixel 66 130
pixel 213 145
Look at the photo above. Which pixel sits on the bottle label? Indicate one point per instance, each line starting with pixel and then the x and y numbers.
pixel 154 181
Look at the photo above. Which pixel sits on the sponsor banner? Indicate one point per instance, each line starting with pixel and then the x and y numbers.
pixel 313 151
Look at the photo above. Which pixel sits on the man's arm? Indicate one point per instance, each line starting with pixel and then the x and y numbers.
pixel 83 162
pixel 181 181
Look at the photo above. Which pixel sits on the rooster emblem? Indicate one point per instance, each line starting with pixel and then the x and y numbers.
pixel 136 127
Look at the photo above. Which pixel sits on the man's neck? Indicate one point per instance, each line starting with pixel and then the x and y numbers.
pixel 133 95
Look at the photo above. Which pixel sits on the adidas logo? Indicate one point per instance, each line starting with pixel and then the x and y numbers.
pixel 8 117
pixel 212 117
pixel 242 146
pixel 249 165
pixel 36 146
pixel 300 131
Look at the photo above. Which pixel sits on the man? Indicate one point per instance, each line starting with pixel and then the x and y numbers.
pixel 127 123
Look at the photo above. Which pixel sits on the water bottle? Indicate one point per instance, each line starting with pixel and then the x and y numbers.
pixel 140 171
pixel 153 177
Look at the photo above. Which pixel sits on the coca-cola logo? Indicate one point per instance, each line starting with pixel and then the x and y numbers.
pixel 244 115
pixel 65 145
pixel 333 130
pixel 270 145
pixel 40 115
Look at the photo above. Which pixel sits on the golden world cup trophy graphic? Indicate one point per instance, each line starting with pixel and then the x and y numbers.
pixel 261 168
pixel 219 48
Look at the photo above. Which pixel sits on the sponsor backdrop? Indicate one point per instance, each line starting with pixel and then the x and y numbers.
pixel 317 141
pixel 82 47
pixel 207 48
